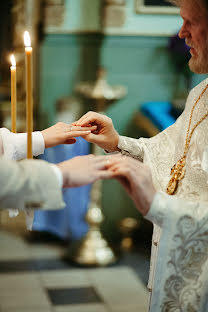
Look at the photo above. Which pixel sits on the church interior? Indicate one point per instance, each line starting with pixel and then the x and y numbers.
pixel 116 57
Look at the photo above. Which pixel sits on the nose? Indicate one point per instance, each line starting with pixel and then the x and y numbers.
pixel 184 33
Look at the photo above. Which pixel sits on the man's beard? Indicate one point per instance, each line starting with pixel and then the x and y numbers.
pixel 199 64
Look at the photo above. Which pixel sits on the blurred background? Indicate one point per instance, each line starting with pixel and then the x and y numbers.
pixel 119 57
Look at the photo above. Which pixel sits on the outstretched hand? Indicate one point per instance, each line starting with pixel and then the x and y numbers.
pixel 136 179
pixel 105 135
pixel 62 133
pixel 83 170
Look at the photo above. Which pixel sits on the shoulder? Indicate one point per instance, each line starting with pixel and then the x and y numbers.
pixel 195 93
pixel 198 88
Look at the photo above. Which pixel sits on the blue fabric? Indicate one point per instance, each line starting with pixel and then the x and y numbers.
pixel 159 113
pixel 68 222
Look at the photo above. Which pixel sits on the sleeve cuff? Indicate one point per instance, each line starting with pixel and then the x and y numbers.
pixel 121 142
pixel 38 145
pixel 158 208
pixel 130 146
pixel 204 163
pixel 58 174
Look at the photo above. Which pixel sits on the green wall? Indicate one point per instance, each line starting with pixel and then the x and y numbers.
pixel 65 60
pixel 140 63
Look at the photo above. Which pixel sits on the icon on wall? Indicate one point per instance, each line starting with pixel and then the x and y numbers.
pixel 155 7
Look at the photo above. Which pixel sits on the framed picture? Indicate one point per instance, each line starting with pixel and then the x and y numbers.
pixel 155 7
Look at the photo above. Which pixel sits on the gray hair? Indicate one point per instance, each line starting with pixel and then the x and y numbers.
pixel 178 2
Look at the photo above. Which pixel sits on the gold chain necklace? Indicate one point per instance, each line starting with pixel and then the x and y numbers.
pixel 178 170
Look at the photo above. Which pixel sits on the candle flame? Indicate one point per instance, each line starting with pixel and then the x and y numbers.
pixel 27 40
pixel 13 60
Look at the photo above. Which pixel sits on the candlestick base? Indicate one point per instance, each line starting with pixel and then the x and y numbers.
pixel 93 249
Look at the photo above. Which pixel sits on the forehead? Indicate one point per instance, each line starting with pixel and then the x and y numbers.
pixel 193 9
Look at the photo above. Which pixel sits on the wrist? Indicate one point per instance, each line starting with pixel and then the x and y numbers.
pixel 63 174
pixel 44 138
pixel 114 146
pixel 58 174
pixel 144 199
pixel 148 203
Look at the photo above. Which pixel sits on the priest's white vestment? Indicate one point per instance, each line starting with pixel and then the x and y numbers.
pixel 162 151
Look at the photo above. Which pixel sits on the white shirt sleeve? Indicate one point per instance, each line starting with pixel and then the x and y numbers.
pixel 14 145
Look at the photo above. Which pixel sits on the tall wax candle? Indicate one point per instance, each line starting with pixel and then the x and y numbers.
pixel 29 92
pixel 13 94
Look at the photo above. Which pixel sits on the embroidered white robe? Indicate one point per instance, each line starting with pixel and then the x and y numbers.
pixel 162 151
pixel 181 275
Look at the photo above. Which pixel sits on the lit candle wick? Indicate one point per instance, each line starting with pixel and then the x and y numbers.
pixel 13 62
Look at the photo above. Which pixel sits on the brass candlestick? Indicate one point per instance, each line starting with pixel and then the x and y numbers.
pixel 93 249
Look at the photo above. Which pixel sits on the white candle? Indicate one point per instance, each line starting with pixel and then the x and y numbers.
pixel 13 94
pixel 29 91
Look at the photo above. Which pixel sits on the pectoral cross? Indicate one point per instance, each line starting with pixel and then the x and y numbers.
pixel 177 172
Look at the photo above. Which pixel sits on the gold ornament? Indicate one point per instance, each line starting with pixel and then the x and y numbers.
pixel 178 170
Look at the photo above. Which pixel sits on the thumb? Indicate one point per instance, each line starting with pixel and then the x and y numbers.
pixel 94 138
